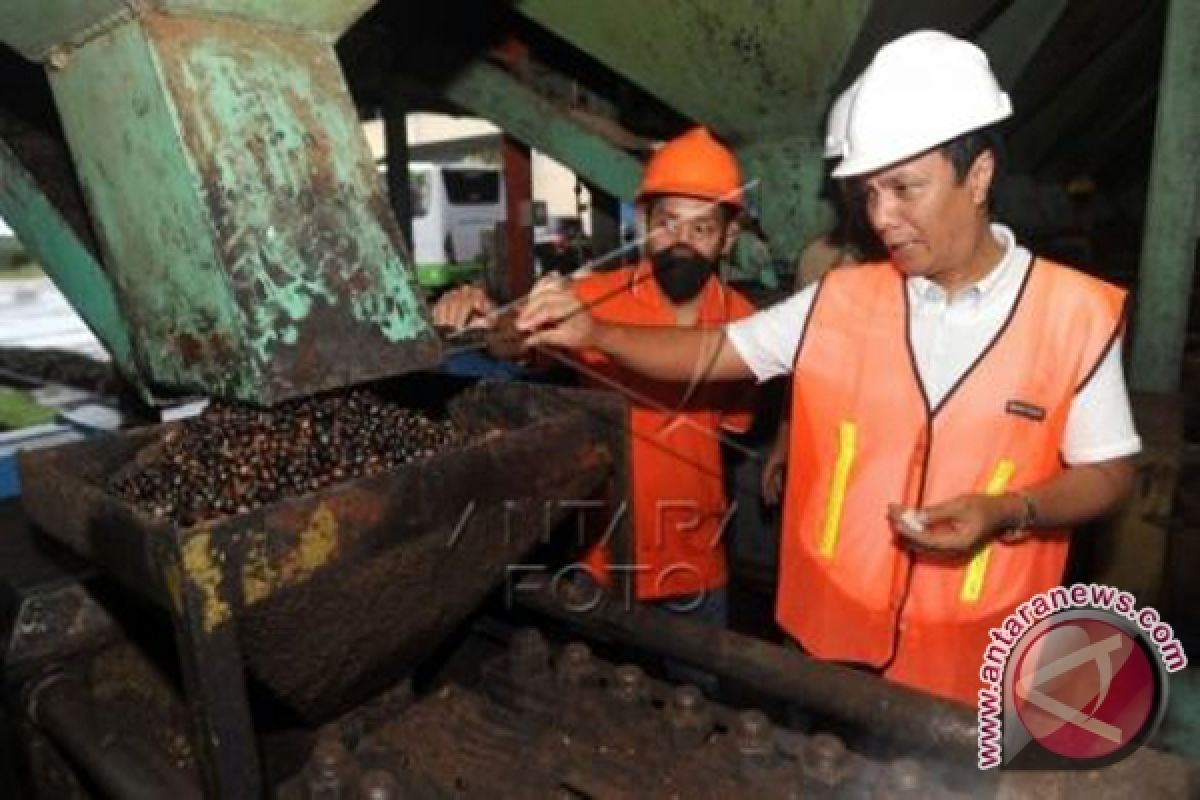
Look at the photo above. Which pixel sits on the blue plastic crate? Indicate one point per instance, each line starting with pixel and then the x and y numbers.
pixel 10 482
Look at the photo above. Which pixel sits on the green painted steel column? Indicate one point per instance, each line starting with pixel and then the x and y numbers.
pixel 239 211
pixel 1169 237
pixel 789 175
pixel 490 92
pixel 70 264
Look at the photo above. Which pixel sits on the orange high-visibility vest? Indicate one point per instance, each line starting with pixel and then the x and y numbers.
pixel 677 497
pixel 863 436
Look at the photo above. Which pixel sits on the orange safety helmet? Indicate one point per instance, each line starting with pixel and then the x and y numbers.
pixel 694 165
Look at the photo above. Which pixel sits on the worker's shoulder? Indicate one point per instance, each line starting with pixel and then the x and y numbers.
pixel 1073 278
pixel 1073 292
pixel 855 276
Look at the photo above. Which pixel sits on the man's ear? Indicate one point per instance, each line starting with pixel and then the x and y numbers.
pixel 732 229
pixel 980 176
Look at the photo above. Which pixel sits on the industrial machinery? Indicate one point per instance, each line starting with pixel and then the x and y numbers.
pixel 202 194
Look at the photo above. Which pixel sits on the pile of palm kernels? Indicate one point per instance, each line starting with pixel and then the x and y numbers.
pixel 232 459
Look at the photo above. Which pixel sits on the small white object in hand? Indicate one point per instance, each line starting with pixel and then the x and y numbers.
pixel 913 520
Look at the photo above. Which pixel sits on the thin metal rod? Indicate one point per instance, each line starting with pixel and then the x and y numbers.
pixel 586 269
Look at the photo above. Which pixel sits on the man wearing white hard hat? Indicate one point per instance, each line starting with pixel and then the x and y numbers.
pixel 956 408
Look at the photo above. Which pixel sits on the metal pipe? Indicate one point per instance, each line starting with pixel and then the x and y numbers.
pixel 119 765
pixel 916 720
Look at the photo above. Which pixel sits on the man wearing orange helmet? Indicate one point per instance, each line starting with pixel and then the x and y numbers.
pixel 689 200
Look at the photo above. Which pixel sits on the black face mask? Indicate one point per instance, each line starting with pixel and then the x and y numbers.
pixel 681 272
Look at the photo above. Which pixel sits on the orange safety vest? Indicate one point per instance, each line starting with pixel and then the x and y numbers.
pixel 677 493
pixel 863 435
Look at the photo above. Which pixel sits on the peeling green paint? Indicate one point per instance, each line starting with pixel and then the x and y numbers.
pixel 239 208
pixel 146 222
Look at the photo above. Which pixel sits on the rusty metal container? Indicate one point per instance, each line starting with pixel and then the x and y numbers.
pixel 327 595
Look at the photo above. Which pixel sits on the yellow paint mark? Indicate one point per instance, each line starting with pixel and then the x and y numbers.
pixel 320 540
pixel 259 578
pixel 972 586
pixel 316 544
pixel 314 547
pixel 203 570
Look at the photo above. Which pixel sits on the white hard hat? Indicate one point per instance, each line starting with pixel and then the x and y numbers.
pixel 919 91
pixel 835 126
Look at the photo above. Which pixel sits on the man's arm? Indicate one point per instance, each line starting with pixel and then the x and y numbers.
pixel 554 317
pixel 775 467
pixel 1078 495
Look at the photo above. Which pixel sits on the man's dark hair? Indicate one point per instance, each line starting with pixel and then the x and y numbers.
pixel 963 150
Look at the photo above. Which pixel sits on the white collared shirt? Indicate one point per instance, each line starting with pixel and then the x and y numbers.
pixel 950 335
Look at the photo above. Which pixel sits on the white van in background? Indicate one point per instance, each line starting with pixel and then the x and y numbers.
pixel 453 206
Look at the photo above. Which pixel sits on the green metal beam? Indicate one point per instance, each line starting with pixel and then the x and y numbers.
pixel 35 28
pixel 1078 96
pixel 310 16
pixel 490 92
pixel 70 264
pixel 1096 147
pixel 1169 237
pixel 1013 38
pixel 750 69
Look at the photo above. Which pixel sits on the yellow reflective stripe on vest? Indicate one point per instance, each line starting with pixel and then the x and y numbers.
pixel 972 586
pixel 847 446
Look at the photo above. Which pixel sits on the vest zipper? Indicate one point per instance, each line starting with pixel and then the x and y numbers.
pixel 909 560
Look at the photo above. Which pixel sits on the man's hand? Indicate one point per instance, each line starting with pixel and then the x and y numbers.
pixel 956 526
pixel 773 472
pixel 552 315
pixel 464 307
